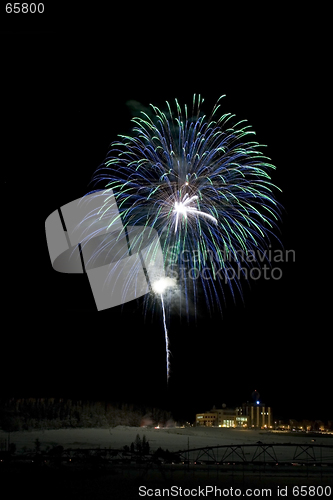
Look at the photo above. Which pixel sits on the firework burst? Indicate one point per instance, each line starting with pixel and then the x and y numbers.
pixel 202 184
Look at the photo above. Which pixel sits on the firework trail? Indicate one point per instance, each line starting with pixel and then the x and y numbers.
pixel 159 287
pixel 203 186
pixel 166 340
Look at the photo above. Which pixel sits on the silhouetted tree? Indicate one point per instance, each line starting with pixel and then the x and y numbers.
pixel 37 445
pixel 138 445
pixel 145 445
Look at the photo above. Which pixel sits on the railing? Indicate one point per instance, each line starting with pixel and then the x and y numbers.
pixel 276 453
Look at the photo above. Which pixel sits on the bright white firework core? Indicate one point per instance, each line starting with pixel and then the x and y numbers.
pixel 184 208
pixel 162 284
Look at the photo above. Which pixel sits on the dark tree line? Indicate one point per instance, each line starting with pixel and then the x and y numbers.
pixel 51 413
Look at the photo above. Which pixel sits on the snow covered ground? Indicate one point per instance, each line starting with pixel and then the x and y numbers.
pixel 172 438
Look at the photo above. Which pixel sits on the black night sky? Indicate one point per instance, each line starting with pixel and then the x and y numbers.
pixel 65 97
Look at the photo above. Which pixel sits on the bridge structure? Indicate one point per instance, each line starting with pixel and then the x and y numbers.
pixel 260 453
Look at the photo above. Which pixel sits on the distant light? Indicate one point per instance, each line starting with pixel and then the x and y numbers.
pixel 258 402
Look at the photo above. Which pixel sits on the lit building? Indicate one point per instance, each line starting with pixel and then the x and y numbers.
pixel 252 415
pixel 226 417
pixel 222 417
pixel 208 418
pixel 258 414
